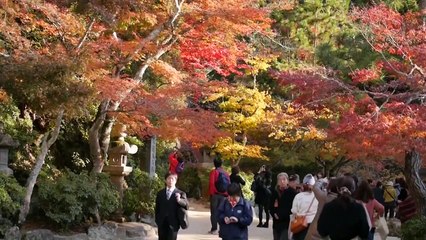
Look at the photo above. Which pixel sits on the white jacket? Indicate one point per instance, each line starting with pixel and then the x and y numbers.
pixel 301 205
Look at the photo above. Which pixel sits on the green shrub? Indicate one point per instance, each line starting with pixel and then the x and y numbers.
pixel 74 198
pixel 140 195
pixel 190 182
pixel 247 192
pixel 414 229
pixel 11 197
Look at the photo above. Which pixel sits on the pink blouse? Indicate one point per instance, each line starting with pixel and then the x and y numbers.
pixel 374 205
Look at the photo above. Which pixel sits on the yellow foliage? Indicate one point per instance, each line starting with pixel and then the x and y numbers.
pixel 259 64
pixel 232 150
pixel 244 108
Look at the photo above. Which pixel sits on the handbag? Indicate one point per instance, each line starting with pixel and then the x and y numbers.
pixel 299 223
pixel 382 227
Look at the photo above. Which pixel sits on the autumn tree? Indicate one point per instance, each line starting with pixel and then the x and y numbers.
pixel 243 110
pixel 380 113
pixel 127 38
pixel 42 73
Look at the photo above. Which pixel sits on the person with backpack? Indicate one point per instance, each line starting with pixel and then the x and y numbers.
pixel 235 214
pixel 176 162
pixel 390 198
pixel 218 184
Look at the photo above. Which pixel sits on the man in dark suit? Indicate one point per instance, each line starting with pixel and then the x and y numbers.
pixel 168 206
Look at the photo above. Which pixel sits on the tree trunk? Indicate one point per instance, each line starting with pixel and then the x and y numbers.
pixel 323 166
pixel 100 132
pixel 422 5
pixel 337 166
pixel 95 146
pixel 244 145
pixel 105 137
pixel 45 145
pixel 416 187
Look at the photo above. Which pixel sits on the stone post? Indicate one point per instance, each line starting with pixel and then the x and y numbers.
pixel 6 143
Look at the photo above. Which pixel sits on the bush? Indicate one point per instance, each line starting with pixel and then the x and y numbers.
pixel 11 197
pixel 140 195
pixel 74 198
pixel 190 182
pixel 247 192
pixel 414 229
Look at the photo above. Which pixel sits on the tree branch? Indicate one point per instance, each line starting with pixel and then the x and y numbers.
pixel 151 36
pixel 139 74
pixel 86 34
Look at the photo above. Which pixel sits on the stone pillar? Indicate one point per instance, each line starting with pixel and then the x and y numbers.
pixel 152 156
pixel 4 161
pixel 117 174
pixel 6 143
pixel 148 161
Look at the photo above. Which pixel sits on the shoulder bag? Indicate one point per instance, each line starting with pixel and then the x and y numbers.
pixel 299 223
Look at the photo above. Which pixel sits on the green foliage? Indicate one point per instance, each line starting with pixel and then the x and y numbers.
pixel 140 195
pixel 352 53
pixel 18 128
pixel 398 5
pixel 313 22
pixel 11 196
pixel 71 150
pixel 247 192
pixel 414 229
pixel 73 198
pixel 190 182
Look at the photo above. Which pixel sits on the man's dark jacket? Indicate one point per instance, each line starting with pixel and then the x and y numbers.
pixel 169 209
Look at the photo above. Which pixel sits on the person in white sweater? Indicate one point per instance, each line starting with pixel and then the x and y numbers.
pixel 305 204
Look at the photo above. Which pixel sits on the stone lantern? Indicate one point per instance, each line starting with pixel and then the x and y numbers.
pixel 117 160
pixel 6 143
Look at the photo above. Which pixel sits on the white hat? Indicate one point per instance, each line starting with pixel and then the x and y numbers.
pixel 309 179
pixel 389 183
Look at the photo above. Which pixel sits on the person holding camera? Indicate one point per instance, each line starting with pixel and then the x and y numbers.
pixel 262 193
pixel 235 214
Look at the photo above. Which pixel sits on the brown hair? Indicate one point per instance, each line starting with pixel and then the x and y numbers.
pixel 364 192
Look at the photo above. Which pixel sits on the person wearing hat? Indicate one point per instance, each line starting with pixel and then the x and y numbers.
pixel 389 194
pixel 305 204
pixel 294 182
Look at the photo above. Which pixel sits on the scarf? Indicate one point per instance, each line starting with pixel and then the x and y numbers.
pixel 232 201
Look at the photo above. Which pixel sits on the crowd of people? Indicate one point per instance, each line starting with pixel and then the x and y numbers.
pixel 315 208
